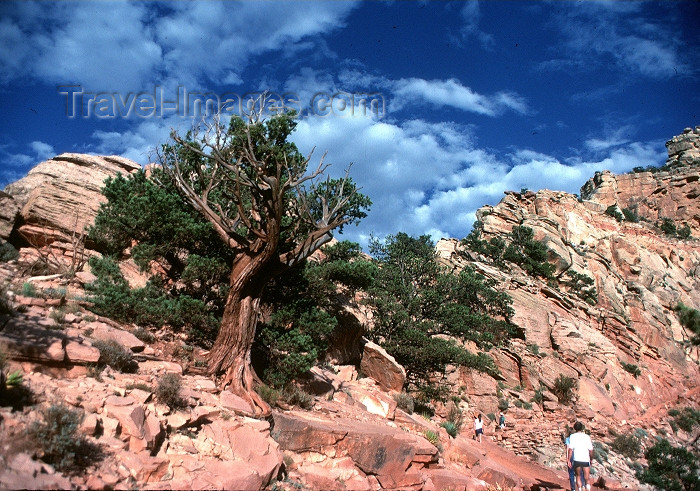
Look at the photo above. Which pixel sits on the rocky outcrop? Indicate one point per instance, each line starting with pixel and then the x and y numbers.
pixel 60 196
pixel 653 196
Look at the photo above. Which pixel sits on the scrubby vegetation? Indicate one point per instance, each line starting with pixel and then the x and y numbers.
pixel 669 228
pixel 670 468
pixel 565 388
pixel 60 441
pixel 115 355
pixel 631 368
pixel 168 391
pixel 583 286
pixel 519 248
pixel 690 319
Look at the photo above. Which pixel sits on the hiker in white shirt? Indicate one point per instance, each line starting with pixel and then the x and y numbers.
pixel 580 456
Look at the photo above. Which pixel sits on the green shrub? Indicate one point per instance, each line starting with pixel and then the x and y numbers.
pixel 168 391
pixel 451 428
pixel 143 334
pixel 503 404
pixel 269 394
pixel 534 349
pixel 685 418
pixel 564 388
pixel 29 290
pixel 539 396
pixel 628 445
pixel 405 402
pixel 61 443
pixel 454 415
pixel 631 368
pixel 14 379
pixel 116 356
pixel 151 305
pixel 614 212
pixel 667 227
pixel 630 215
pixel 432 437
pixel 581 285
pixel 670 468
pixel 141 386
pixel 297 397
pixel 7 252
pixel 689 319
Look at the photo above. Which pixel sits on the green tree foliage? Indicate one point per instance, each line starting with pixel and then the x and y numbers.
pixel 614 211
pixel 150 215
pixel 670 468
pixel 422 310
pixel 302 319
pixel 581 285
pixel 690 319
pixel 521 248
pixel 685 418
pixel 151 305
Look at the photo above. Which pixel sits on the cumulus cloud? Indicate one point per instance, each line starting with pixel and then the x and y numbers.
pixel 179 43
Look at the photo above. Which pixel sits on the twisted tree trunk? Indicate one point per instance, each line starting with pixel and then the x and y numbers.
pixel 230 355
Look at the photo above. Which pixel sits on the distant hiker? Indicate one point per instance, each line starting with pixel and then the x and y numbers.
pixel 580 456
pixel 569 463
pixel 502 421
pixel 478 427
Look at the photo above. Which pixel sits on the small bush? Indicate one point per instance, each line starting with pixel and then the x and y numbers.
pixel 141 386
pixel 685 418
pixel 631 368
pixel 454 415
pixel 614 212
pixel 143 334
pixel 14 379
pixel 7 252
pixel 116 356
pixel 564 388
pixel 432 437
pixel 534 349
pixel 168 391
pixel 451 428
pixel 60 441
pixel 29 290
pixel 405 402
pixel 296 397
pixel 503 404
pixel 538 397
pixel 268 394
pixel 628 445
pixel 630 215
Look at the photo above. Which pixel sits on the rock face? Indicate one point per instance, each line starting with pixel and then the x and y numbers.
pixel 652 196
pixel 59 197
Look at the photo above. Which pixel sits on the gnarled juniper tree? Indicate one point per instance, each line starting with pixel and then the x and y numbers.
pixel 254 187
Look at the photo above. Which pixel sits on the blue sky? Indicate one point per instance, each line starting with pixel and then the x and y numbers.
pixel 472 98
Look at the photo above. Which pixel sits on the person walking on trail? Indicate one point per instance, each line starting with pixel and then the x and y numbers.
pixel 580 456
pixel 478 427
pixel 569 463
pixel 502 421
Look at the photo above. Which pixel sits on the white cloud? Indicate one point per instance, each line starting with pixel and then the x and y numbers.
pixel 185 43
pixel 471 15
pixel 598 33
pixel 453 94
